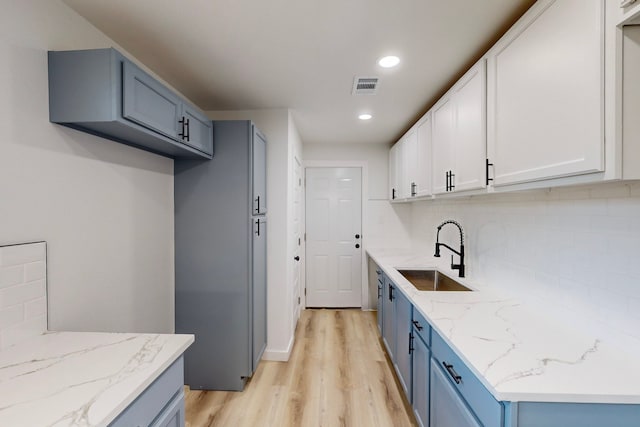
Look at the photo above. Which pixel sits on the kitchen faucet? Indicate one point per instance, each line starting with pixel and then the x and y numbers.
pixel 459 267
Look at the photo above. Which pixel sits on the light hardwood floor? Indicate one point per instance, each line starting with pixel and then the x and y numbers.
pixel 338 375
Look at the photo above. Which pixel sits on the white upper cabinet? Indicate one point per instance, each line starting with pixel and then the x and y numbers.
pixel 423 157
pixel 459 135
pixel 394 172
pixel 546 94
pixel 410 164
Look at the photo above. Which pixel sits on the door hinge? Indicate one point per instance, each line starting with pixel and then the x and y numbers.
pixel 305 237
pixel 298 241
pixel 298 300
pixel 305 292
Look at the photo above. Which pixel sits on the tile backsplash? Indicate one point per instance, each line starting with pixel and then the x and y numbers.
pixel 571 254
pixel 23 292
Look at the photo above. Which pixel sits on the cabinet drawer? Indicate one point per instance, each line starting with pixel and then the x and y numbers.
pixel 173 414
pixel 421 327
pixel 488 410
pixel 154 399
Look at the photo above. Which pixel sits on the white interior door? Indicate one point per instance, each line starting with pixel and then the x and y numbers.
pixel 333 213
pixel 297 236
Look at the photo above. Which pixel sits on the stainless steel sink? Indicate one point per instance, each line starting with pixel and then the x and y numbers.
pixel 432 280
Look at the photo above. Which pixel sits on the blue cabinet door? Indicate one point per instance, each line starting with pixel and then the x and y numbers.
pixel 259 290
pixel 195 129
pixel 148 103
pixel 402 334
pixel 388 318
pixel 380 307
pixel 420 380
pixel 173 415
pixel 447 409
pixel 259 166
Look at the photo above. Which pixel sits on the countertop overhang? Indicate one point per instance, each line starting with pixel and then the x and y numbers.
pixel 81 378
pixel 518 354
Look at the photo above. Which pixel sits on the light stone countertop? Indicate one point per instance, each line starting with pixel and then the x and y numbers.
pixel 517 353
pixel 80 378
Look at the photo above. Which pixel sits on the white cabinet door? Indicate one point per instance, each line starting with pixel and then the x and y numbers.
pixel 393 172
pixel 442 144
pixel 545 94
pixel 410 164
pixel 470 129
pixel 423 162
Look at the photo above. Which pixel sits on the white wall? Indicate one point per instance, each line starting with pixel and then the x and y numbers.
pixel 571 254
pixel 274 123
pixel 106 210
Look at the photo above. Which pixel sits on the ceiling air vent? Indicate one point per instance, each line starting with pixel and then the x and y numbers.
pixel 365 85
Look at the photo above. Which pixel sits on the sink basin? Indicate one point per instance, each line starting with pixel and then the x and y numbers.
pixel 432 280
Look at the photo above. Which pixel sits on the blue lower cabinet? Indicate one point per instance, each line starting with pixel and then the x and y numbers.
pixel 420 379
pixel 403 347
pixel 447 409
pixel 380 307
pixel 389 292
pixel 160 405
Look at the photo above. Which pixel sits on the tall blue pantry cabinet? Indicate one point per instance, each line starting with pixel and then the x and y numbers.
pixel 221 257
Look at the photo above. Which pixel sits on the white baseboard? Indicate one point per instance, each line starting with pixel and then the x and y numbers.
pixel 278 355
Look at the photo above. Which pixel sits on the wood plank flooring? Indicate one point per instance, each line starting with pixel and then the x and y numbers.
pixel 338 375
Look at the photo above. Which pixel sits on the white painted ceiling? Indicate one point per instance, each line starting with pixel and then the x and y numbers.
pixel 304 54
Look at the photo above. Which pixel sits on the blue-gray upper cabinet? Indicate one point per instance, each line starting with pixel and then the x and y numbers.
pixel 259 171
pixel 101 92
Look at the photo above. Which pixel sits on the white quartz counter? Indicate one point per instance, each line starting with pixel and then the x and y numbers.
pixel 518 354
pixel 80 378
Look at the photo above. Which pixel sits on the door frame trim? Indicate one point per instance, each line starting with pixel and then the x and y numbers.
pixel 363 166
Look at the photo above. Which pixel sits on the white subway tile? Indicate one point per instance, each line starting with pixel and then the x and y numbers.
pixel 23 331
pixel 22 293
pixel 35 271
pixel 35 308
pixel 11 276
pixel 11 315
pixel 23 254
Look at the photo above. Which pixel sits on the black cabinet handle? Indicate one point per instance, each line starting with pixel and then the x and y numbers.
pixel 379 291
pixel 414 191
pixel 258 224
pixel 457 378
pixel 411 343
pixel 357 236
pixel 390 292
pixel 297 258
pixel 393 194
pixel 184 133
pixel 258 204
pixel 417 325
pixel 357 246
pixel 487 171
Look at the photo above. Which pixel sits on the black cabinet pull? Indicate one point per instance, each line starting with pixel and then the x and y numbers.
pixel 297 258
pixel 379 291
pixel 184 133
pixel 258 224
pixel 457 378
pixel 414 191
pixel 357 246
pixel 390 292
pixel 393 194
pixel 411 343
pixel 487 164
pixel 258 202
pixel 417 325
pixel 357 237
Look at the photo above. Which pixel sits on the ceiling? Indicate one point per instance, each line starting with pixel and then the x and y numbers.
pixel 304 54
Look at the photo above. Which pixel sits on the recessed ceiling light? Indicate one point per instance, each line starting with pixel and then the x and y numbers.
pixel 389 61
pixel 365 116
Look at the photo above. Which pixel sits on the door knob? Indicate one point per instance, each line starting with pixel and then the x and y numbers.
pixel 357 236
pixel 297 258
